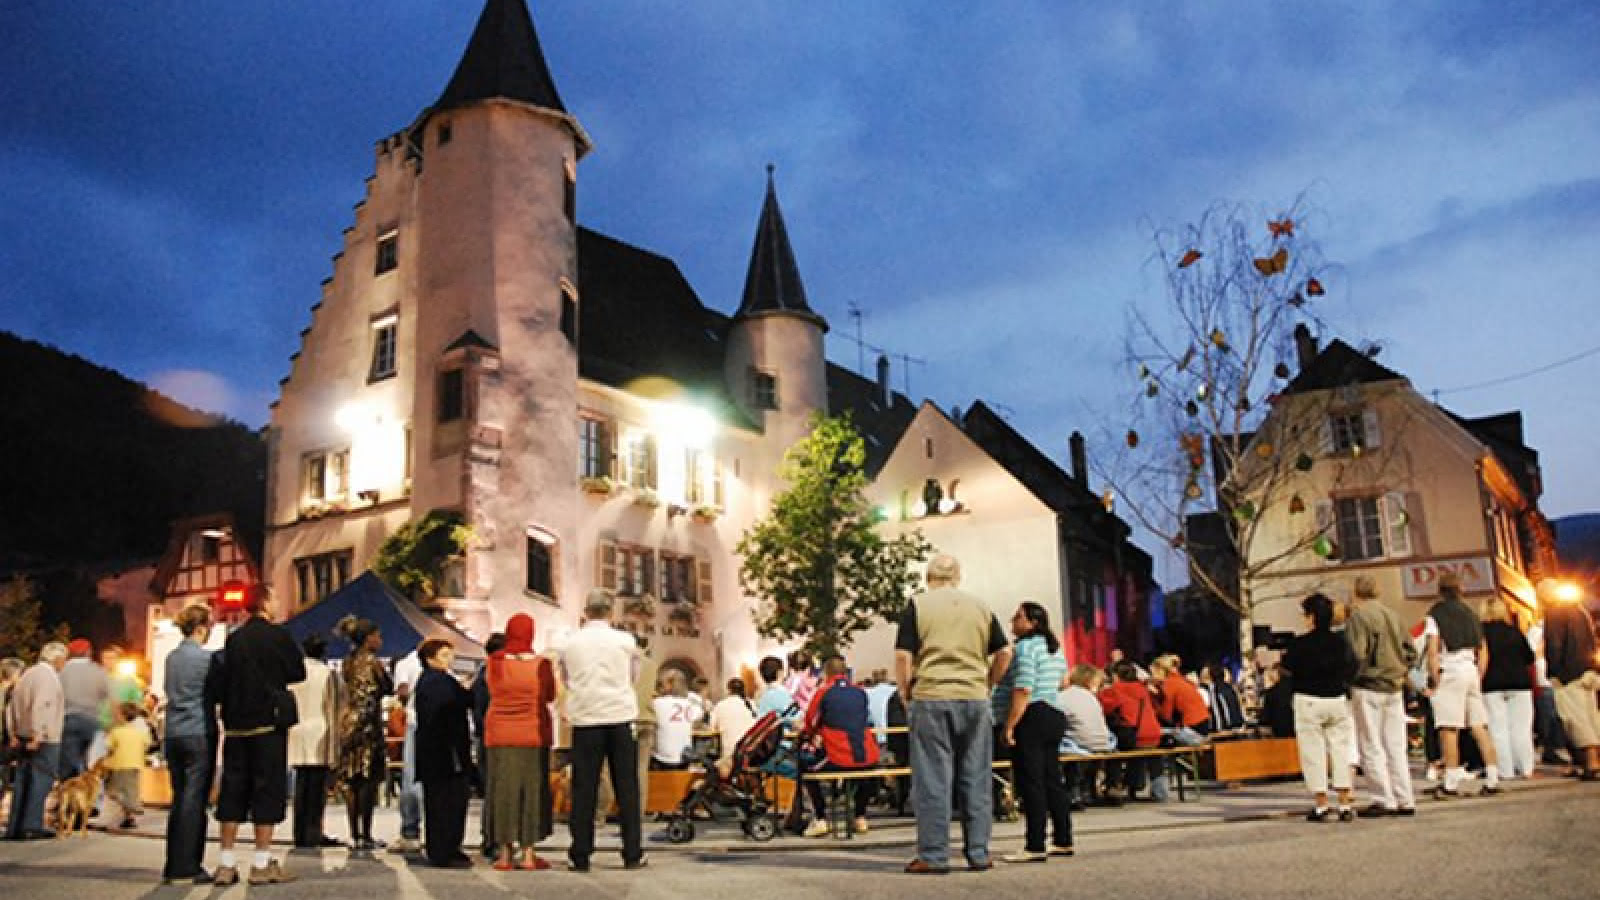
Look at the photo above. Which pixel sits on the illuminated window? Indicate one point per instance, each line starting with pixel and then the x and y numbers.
pixel 314 467
pixel 317 577
pixel 388 252
pixel 695 465
pixel 594 448
pixel 636 570
pixel 383 348
pixel 642 462
pixel 677 578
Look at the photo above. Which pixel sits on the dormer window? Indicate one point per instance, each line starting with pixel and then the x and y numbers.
pixel 763 389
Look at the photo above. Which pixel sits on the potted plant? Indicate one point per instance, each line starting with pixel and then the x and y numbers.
pixel 684 613
pixel 599 485
pixel 647 497
pixel 643 606
pixel 706 514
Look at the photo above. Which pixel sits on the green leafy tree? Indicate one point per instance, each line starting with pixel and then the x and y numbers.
pixel 414 558
pixel 817 561
pixel 22 632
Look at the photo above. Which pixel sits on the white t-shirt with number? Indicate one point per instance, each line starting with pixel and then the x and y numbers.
pixel 675 718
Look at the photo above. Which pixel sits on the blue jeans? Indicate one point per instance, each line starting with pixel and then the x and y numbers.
pixel 77 736
pixel 36 775
pixel 410 790
pixel 952 741
pixel 191 762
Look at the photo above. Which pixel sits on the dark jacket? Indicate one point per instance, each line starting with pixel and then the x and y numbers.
pixel 444 744
pixel 256 666
pixel 1509 658
pixel 1322 663
pixel 1568 642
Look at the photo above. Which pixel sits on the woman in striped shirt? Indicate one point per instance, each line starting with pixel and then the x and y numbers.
pixel 1032 728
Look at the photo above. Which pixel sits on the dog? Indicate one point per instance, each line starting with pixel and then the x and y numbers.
pixel 75 799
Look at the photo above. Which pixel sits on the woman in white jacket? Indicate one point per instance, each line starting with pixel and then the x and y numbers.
pixel 314 744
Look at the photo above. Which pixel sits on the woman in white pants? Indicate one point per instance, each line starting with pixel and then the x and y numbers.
pixel 1322 665
pixel 1508 691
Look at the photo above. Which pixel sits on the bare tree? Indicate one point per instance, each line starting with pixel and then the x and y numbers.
pixel 1212 427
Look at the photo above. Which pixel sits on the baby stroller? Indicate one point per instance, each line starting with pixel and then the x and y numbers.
pixel 747 794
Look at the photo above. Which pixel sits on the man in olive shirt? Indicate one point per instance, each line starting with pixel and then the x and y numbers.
pixel 949 651
pixel 1384 653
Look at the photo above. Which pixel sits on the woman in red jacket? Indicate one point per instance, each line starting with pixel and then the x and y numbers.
pixel 1131 716
pixel 517 738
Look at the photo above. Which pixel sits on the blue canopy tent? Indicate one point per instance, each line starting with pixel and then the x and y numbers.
pixel 402 624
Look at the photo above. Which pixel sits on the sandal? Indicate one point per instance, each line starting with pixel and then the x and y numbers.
pixel 503 865
pixel 534 865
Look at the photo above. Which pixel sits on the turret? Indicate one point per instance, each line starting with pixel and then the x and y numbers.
pixel 776 365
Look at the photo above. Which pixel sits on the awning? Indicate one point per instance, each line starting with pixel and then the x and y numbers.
pixel 402 623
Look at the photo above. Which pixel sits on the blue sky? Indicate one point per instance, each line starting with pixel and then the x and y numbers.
pixel 981 178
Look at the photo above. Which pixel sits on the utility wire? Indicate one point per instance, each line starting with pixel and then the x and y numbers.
pixel 1521 375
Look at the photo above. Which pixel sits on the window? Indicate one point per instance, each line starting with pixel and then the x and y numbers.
pixel 677 578
pixel 763 390
pixel 383 348
pixel 636 570
pixel 569 198
pixel 694 476
pixel 444 133
pixel 642 462
pixel 1360 528
pixel 319 576
pixel 210 548
pixel 569 312
pixel 541 563
pixel 338 474
pixel 315 468
pixel 452 395
pixel 594 448
pixel 388 252
pixel 1347 431
pixel 927 447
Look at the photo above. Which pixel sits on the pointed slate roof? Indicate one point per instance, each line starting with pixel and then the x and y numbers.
pixel 503 60
pixel 1338 365
pixel 772 284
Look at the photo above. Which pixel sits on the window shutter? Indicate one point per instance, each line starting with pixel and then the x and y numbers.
pixel 716 484
pixel 1325 436
pixel 1396 524
pixel 702 595
pixel 1369 428
pixel 647 563
pixel 608 449
pixel 650 462
pixel 605 566
pixel 1327 528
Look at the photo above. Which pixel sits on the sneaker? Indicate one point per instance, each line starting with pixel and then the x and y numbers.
pixel 859 826
pixel 1061 851
pixel 1346 814
pixel 1443 793
pixel 405 845
pixel 1026 856
pixel 1431 773
pixel 272 874
pixel 1376 811
pixel 575 866
pixel 225 876
pixel 1319 815
pixel 817 828
pixel 639 863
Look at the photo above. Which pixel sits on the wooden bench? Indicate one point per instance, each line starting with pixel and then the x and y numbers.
pixel 1254 759
pixel 1185 759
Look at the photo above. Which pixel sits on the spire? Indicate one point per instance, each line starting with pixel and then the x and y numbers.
pixel 503 60
pixel 772 284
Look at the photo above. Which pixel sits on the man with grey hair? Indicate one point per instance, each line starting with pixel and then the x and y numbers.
pixel 1384 654
pixel 598 667
pixel 34 718
pixel 949 651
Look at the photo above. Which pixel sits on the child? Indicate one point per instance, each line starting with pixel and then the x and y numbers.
pixel 126 746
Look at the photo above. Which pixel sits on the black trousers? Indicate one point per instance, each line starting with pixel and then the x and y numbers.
pixel 310 801
pixel 190 764
pixel 614 746
pixel 1036 763
pixel 444 817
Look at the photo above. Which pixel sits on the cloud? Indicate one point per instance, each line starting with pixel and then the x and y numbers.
pixel 197 389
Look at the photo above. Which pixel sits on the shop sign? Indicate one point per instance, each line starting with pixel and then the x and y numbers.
pixel 1422 579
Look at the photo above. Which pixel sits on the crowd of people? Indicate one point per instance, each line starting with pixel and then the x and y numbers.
pixel 965 692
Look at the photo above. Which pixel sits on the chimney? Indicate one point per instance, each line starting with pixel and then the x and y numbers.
pixel 885 396
pixel 1080 460
pixel 1305 346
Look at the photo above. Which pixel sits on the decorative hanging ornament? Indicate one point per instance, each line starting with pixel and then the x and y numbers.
pixel 1219 339
pixel 1245 511
pixel 1192 490
pixel 1296 505
pixel 1274 264
pixel 1296 300
pixel 1191 257
pixel 1109 500
pixel 1196 460
pixel 1192 408
pixel 1188 357
pixel 1144 371
pixel 1150 389
pixel 1177 542
pixel 1133 439
pixel 1322 546
pixel 1283 227
pixel 1304 462
pixel 1281 370
pixel 1264 449
pixel 1314 288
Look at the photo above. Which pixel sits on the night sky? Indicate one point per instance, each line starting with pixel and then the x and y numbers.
pixel 982 179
